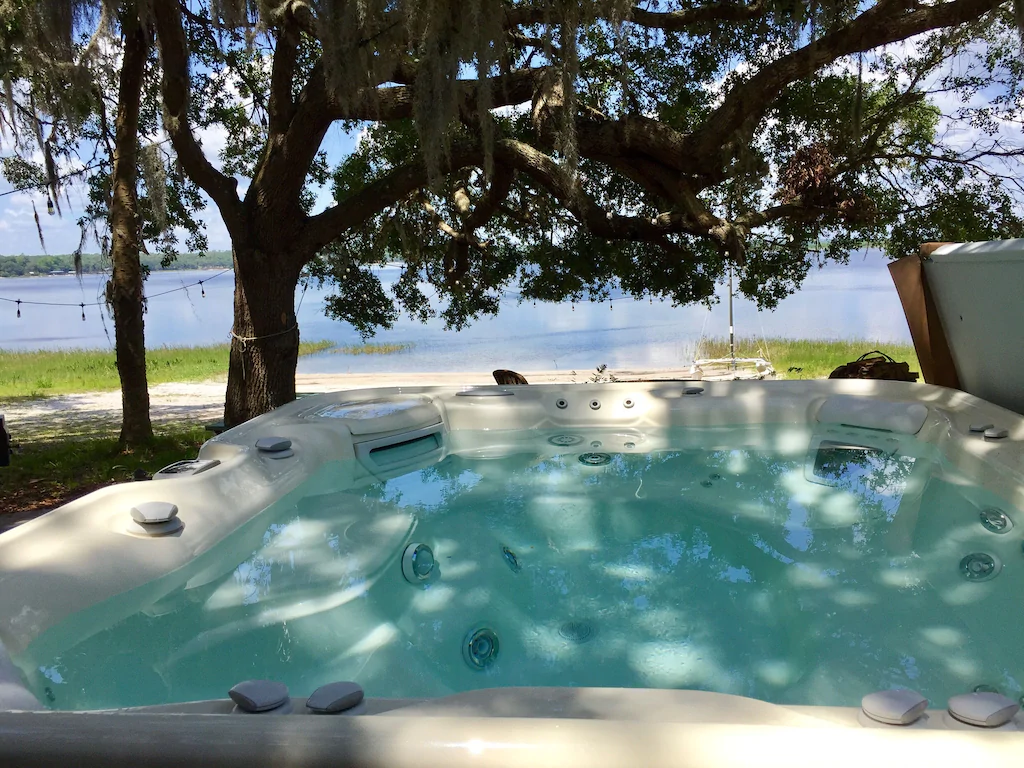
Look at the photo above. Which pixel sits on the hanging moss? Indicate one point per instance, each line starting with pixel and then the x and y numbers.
pixel 154 174
pixel 364 40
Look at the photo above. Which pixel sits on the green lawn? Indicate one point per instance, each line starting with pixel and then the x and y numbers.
pixel 65 371
pixel 808 359
pixel 45 474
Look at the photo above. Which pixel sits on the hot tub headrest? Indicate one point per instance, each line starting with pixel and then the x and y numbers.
pixel 871 413
pixel 381 415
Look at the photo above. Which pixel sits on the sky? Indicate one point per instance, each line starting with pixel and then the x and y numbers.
pixel 61 234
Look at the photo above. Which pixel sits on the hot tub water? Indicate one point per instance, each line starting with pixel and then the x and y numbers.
pixel 739 564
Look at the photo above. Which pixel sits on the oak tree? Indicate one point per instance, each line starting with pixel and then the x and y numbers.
pixel 80 92
pixel 575 147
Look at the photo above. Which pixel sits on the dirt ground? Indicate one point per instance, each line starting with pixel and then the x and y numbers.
pixel 92 414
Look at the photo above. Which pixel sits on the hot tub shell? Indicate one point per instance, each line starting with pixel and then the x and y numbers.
pixel 390 431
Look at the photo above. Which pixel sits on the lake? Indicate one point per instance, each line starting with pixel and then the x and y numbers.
pixel 855 301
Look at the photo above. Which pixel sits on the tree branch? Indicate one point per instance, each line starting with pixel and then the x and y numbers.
pixel 281 107
pixel 630 135
pixel 549 174
pixel 734 121
pixel 443 225
pixel 526 15
pixel 284 166
pixel 176 86
pixel 753 219
pixel 492 199
pixel 396 102
pixel 542 169
pixel 328 225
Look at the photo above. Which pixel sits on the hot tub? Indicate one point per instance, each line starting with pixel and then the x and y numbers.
pixel 498 567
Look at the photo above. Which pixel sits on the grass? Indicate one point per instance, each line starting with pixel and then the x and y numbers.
pixel 808 359
pixel 65 371
pixel 45 474
pixel 373 349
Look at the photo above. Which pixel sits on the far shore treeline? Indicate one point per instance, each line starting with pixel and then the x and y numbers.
pixel 25 266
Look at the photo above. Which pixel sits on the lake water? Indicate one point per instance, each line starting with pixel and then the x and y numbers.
pixel 856 301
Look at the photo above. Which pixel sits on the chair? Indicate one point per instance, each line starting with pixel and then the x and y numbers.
pixel 509 377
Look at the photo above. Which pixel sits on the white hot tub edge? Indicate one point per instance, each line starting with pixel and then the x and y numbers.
pixel 40 561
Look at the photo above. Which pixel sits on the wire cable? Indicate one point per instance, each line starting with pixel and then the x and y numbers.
pixel 83 304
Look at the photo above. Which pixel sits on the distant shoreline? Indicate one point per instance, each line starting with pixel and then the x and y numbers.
pixel 103 272
pixel 63 264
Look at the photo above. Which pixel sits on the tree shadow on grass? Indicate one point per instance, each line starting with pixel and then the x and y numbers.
pixel 39 421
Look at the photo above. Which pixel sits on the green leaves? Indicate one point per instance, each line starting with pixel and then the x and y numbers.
pixel 956 209
pixel 22 173
pixel 360 300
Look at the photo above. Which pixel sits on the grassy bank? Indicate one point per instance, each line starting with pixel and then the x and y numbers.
pixel 45 474
pixel 805 358
pixel 373 348
pixel 61 372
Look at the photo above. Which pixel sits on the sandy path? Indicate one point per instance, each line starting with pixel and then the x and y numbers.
pixel 95 413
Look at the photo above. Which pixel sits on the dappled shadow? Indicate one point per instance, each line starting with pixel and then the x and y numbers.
pixel 78 417
pixel 719 566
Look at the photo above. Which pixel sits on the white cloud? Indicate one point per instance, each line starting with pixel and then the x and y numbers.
pixel 214 139
pixel 18 224
pixel 363 134
pixel 512 110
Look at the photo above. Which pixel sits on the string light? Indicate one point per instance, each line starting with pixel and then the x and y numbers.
pixel 202 288
pixel 83 304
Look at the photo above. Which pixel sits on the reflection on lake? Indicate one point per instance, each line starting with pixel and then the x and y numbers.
pixel 856 301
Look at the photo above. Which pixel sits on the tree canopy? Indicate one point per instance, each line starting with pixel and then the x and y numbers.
pixel 76 77
pixel 59 64
pixel 661 147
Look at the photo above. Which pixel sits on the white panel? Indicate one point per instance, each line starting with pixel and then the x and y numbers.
pixel 979 291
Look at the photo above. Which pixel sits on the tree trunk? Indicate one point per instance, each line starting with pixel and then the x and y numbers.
pixel 265 338
pixel 124 291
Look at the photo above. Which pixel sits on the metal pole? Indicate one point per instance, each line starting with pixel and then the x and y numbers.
pixel 732 337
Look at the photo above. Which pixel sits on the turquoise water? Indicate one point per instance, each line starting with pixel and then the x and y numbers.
pixel 744 562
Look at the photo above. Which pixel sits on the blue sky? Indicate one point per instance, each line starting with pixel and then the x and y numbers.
pixel 18 230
